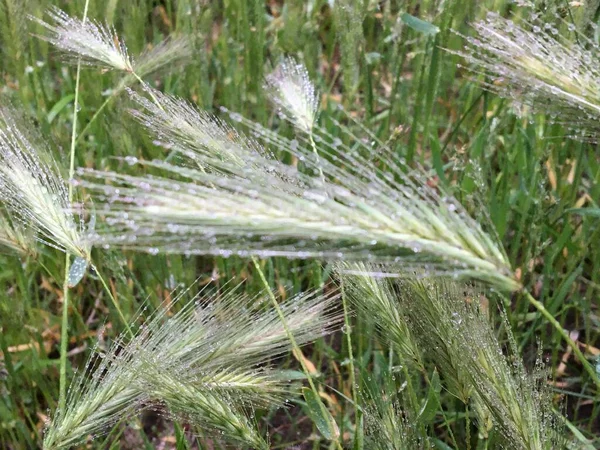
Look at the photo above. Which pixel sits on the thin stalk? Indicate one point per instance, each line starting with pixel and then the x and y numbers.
pixel 114 302
pixel 468 426
pixel 64 333
pixel 317 160
pixel 348 332
pixel 154 99
pixel 558 327
pixel 96 114
pixel 290 335
pixel 107 101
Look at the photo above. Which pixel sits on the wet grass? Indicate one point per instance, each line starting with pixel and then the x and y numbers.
pixel 398 82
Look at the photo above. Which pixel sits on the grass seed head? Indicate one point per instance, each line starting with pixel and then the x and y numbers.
pixel 376 300
pixel 199 135
pixel 14 236
pixel 209 214
pixel 352 211
pixel 534 65
pixel 34 191
pixel 292 91
pixel 95 44
pixel 455 332
pixel 167 55
pixel 207 364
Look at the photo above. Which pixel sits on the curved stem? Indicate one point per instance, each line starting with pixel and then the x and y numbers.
pixel 558 327
pixel 64 331
pixel 154 99
pixel 114 302
pixel 107 101
pixel 95 116
pixel 297 351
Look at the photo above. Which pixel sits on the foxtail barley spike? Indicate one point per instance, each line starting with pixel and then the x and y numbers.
pixel 353 211
pixel 453 330
pixel 166 55
pixel 292 91
pixel 94 43
pixel 34 191
pixel 206 364
pixel 533 65
pixel 200 136
pixel 15 237
pixel 450 328
pixel 209 214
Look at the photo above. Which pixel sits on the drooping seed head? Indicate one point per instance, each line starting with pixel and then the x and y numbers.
pixel 14 236
pixel 534 65
pixel 207 364
pixel 33 190
pixel 201 136
pixel 92 42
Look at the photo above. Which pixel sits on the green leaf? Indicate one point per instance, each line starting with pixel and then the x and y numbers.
pixel 59 106
pixel 592 212
pixel 432 403
pixel 441 445
pixel 419 25
pixel 290 375
pixel 180 438
pixel 359 433
pixel 320 415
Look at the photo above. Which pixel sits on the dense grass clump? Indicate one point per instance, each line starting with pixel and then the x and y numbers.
pixel 264 225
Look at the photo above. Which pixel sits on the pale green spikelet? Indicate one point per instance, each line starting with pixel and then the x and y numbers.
pixel 207 364
pixel 351 211
pixel 15 237
pixel 33 189
pixel 533 64
pixel 96 44
pixel 454 331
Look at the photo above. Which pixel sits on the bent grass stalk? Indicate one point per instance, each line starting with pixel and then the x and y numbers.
pixel 113 300
pixel 296 349
pixel 107 101
pixel 563 333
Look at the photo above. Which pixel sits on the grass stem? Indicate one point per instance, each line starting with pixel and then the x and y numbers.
pixel 348 333
pixel 154 99
pixel 95 116
pixel 64 337
pixel 558 327
pixel 297 351
pixel 114 302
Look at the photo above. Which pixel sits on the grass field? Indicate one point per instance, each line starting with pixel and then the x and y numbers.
pixel 525 177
